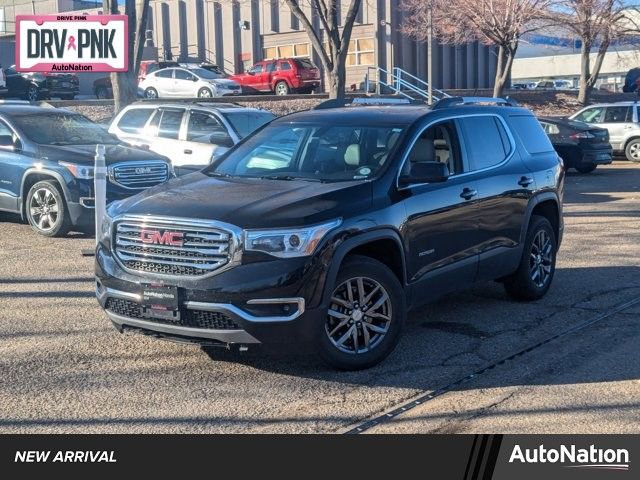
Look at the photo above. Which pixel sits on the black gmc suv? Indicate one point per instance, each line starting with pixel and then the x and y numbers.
pixel 46 167
pixel 323 228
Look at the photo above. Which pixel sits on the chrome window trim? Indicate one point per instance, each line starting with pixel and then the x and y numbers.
pixel 405 157
pixel 236 241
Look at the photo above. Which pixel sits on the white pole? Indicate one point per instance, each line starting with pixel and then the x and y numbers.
pixel 100 188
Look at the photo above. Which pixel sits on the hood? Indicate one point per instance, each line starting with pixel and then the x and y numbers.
pixel 224 81
pixel 250 203
pixel 84 154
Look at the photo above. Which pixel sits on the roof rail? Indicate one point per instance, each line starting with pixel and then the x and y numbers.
pixel 457 101
pixel 194 101
pixel 366 101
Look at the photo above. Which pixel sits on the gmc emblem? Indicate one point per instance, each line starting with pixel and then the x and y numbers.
pixel 155 237
pixel 143 170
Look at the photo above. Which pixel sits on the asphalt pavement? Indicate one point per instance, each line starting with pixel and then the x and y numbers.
pixel 63 368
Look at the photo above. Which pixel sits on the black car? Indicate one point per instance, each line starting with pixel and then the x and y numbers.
pixel 30 86
pixel 323 228
pixel 581 146
pixel 46 167
pixel 63 85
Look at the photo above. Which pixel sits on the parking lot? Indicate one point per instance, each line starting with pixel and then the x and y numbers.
pixel 63 368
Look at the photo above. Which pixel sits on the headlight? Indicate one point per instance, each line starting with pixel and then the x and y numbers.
pixel 105 228
pixel 79 171
pixel 288 243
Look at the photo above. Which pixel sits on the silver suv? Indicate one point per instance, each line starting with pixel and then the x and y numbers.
pixel 190 134
pixel 622 121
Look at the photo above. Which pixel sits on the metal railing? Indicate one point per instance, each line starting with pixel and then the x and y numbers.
pixel 400 82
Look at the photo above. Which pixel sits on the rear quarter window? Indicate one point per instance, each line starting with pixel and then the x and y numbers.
pixel 134 120
pixel 531 134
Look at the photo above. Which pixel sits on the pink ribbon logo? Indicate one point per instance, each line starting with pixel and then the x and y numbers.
pixel 72 43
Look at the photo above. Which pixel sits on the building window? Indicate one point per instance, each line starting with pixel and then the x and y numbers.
pixel 361 52
pixel 287 51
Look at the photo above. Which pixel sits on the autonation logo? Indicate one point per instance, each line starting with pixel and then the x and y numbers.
pixel 574 457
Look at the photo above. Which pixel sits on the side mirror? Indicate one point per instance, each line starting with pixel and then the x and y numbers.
pixel 426 172
pixel 250 72
pixel 7 142
pixel 194 79
pixel 221 139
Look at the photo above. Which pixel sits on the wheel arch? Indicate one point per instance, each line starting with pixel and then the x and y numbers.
pixel 382 245
pixel 629 140
pixel 548 206
pixel 33 176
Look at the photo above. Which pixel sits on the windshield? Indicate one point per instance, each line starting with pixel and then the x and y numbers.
pixel 206 74
pixel 245 123
pixel 311 152
pixel 57 128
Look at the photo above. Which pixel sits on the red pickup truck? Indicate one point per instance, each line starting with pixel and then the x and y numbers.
pixel 282 76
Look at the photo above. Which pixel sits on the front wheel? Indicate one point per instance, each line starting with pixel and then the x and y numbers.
pixel 586 167
pixel 46 210
pixel 632 152
pixel 282 88
pixel 365 315
pixel 32 94
pixel 538 263
pixel 205 93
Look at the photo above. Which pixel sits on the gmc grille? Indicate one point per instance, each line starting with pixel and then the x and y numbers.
pixel 201 251
pixel 139 175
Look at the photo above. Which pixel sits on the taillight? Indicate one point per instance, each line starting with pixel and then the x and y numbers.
pixel 581 135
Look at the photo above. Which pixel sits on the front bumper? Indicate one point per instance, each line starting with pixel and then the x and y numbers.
pixel 273 302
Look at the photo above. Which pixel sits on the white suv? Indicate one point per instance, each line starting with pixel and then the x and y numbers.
pixel 187 83
pixel 191 134
pixel 622 120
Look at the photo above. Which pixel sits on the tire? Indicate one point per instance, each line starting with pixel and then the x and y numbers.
pixel 48 222
pixel 525 284
pixel 32 94
pixel 67 97
pixel 281 88
pixel 205 93
pixel 632 150
pixel 336 346
pixel 586 167
pixel 102 93
pixel 151 93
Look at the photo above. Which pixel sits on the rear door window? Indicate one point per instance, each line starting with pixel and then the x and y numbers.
pixel 170 123
pixel 168 73
pixel 531 134
pixel 134 120
pixel 617 114
pixel 486 142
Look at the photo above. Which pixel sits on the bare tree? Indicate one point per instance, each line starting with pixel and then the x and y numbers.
pixel 125 84
pixel 492 22
pixel 597 23
pixel 333 53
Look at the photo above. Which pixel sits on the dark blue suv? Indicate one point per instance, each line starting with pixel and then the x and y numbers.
pixel 46 167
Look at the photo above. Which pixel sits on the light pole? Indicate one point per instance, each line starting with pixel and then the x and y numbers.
pixel 429 57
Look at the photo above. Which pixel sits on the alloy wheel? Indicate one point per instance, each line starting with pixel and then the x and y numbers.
pixel 282 89
pixel 32 93
pixel 44 209
pixel 151 93
pixel 634 151
pixel 205 93
pixel 541 260
pixel 359 315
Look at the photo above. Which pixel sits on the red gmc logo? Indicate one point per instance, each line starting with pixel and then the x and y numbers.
pixel 175 239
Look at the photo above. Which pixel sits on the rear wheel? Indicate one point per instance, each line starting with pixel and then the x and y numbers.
pixel 151 93
pixel 365 316
pixel 632 151
pixel 538 263
pixel 46 209
pixel 282 88
pixel 586 167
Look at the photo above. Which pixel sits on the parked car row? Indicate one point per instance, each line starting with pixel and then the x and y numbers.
pixel 34 86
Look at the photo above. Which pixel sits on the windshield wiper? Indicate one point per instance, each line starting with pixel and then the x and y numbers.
pixel 218 174
pixel 289 178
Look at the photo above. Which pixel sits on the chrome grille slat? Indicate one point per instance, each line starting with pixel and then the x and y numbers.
pixel 138 175
pixel 204 248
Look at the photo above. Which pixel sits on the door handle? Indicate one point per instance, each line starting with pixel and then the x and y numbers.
pixel 525 181
pixel 188 151
pixel 468 193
